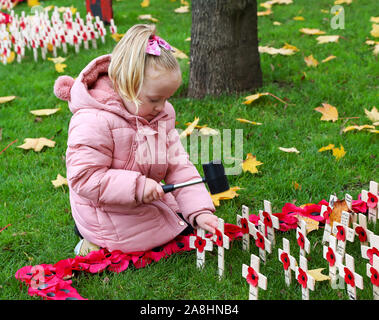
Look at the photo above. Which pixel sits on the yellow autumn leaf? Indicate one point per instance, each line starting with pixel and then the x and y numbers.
pixel 329 112
pixel 277 23
pixel 59 67
pixel 374 19
pixel 339 152
pixel 317 274
pixel 298 18
pixel 252 98
pixel 57 60
pixel 11 57
pixel 296 185
pixel 359 128
pixel 182 9
pixel 147 17
pixel 373 115
pixel 117 36
pixel 44 112
pixel 145 3
pixel 310 224
pixel 311 31
pixel 289 150
pixel 7 99
pixel 248 121
pixel 264 13
pixel 327 39
pixel 375 30
pixel 206 131
pixel 343 1
pixel 374 131
pixel 311 61
pixel 179 54
pixel 290 46
pixel 36 144
pixel 328 59
pixel 60 181
pixel 274 51
pixel 32 3
pixel 190 128
pixel 251 163
pixel 376 50
pixel 226 195
pixel 328 147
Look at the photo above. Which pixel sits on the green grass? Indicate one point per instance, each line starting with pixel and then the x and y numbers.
pixel 41 228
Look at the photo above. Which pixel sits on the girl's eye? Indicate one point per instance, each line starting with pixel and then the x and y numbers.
pixel 153 100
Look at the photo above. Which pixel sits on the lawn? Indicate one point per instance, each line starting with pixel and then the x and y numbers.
pixel 41 226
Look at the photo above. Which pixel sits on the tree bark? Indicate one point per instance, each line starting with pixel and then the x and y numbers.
pixel 224 55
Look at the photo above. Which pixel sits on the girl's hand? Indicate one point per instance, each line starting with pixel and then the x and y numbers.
pixel 208 222
pixel 153 191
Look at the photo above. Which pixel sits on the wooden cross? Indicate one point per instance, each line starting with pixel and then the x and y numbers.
pixel 323 212
pixel 244 223
pixel 222 241
pixel 361 230
pixel 373 274
pixel 302 240
pixel 349 203
pixel 255 279
pixel 370 197
pixel 261 241
pixel 369 252
pixel 334 259
pixel 289 262
pixel 343 232
pixel 304 278
pixel 269 220
pixel 352 279
pixel 201 244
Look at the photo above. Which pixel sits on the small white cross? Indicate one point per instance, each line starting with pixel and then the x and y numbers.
pixel 269 220
pixel 201 244
pixel 301 237
pixel 372 212
pixel 306 280
pixel 255 279
pixel 361 229
pixel 261 241
pixel 343 232
pixel 373 274
pixel 330 254
pixel 352 279
pixel 367 251
pixel 222 242
pixel 327 227
pixel 244 223
pixel 289 262
pixel 349 203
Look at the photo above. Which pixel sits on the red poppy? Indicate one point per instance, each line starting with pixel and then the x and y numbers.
pixel 285 260
pixel 327 214
pixel 361 234
pixel 359 205
pixel 200 244
pixel 260 241
pixel 372 200
pixel 245 226
pixel 267 219
pixel 300 240
pixel 349 277
pixel 219 238
pixel 341 233
pixel 374 277
pixel 252 277
pixel 330 256
pixel 371 252
pixel 302 278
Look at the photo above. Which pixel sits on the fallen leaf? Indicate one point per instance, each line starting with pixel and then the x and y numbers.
pixel 298 18
pixel 57 60
pixel 342 1
pixel 7 99
pixel 264 13
pixel 311 61
pixel 145 3
pixel 317 275
pixel 11 57
pixel 183 9
pixel 44 112
pixel 373 115
pixel 36 144
pixel 117 36
pixel 59 67
pixel 374 19
pixel 274 51
pixel 290 46
pixel 311 31
pixel 60 181
pixel 248 121
pixel 339 152
pixel 329 113
pixel 375 30
pixel 277 23
pixel 206 131
pixel 252 98
pixel 359 128
pixel 328 59
pixel 289 150
pixel 338 207
pixel 32 3
pixel 179 54
pixel 296 185
pixel 328 147
pixel 190 128
pixel 250 164
pixel 226 195
pixel 311 224
pixel 327 39
pixel 376 50
pixel 147 17
pixel 374 131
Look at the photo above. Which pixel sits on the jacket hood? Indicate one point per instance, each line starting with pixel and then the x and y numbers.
pixel 93 89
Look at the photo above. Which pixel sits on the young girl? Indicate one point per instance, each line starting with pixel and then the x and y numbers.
pixel 114 167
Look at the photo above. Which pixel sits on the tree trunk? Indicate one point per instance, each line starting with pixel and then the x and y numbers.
pixel 224 54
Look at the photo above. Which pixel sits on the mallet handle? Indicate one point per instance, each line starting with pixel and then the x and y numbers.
pixel 171 187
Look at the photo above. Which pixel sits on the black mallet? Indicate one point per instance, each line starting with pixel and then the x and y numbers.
pixel 215 177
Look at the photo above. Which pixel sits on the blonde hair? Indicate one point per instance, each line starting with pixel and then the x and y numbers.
pixel 129 61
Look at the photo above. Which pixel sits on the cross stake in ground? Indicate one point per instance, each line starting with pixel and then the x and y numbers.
pixel 255 279
pixel 352 279
pixel 325 212
pixel 330 254
pixel 222 242
pixel 289 262
pixel 373 274
pixel 269 220
pixel 201 244
pixel 244 223
pixel 343 232
pixel 306 280
pixel 261 241
pixel 302 240
pixel 361 230
pixel 371 198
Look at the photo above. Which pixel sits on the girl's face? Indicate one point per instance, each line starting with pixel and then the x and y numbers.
pixel 158 86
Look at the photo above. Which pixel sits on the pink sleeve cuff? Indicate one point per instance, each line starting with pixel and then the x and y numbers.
pixel 140 187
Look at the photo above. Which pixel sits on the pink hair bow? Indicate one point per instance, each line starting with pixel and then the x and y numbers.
pixel 154 44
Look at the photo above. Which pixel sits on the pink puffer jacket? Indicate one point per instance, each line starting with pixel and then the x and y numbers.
pixel 109 155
